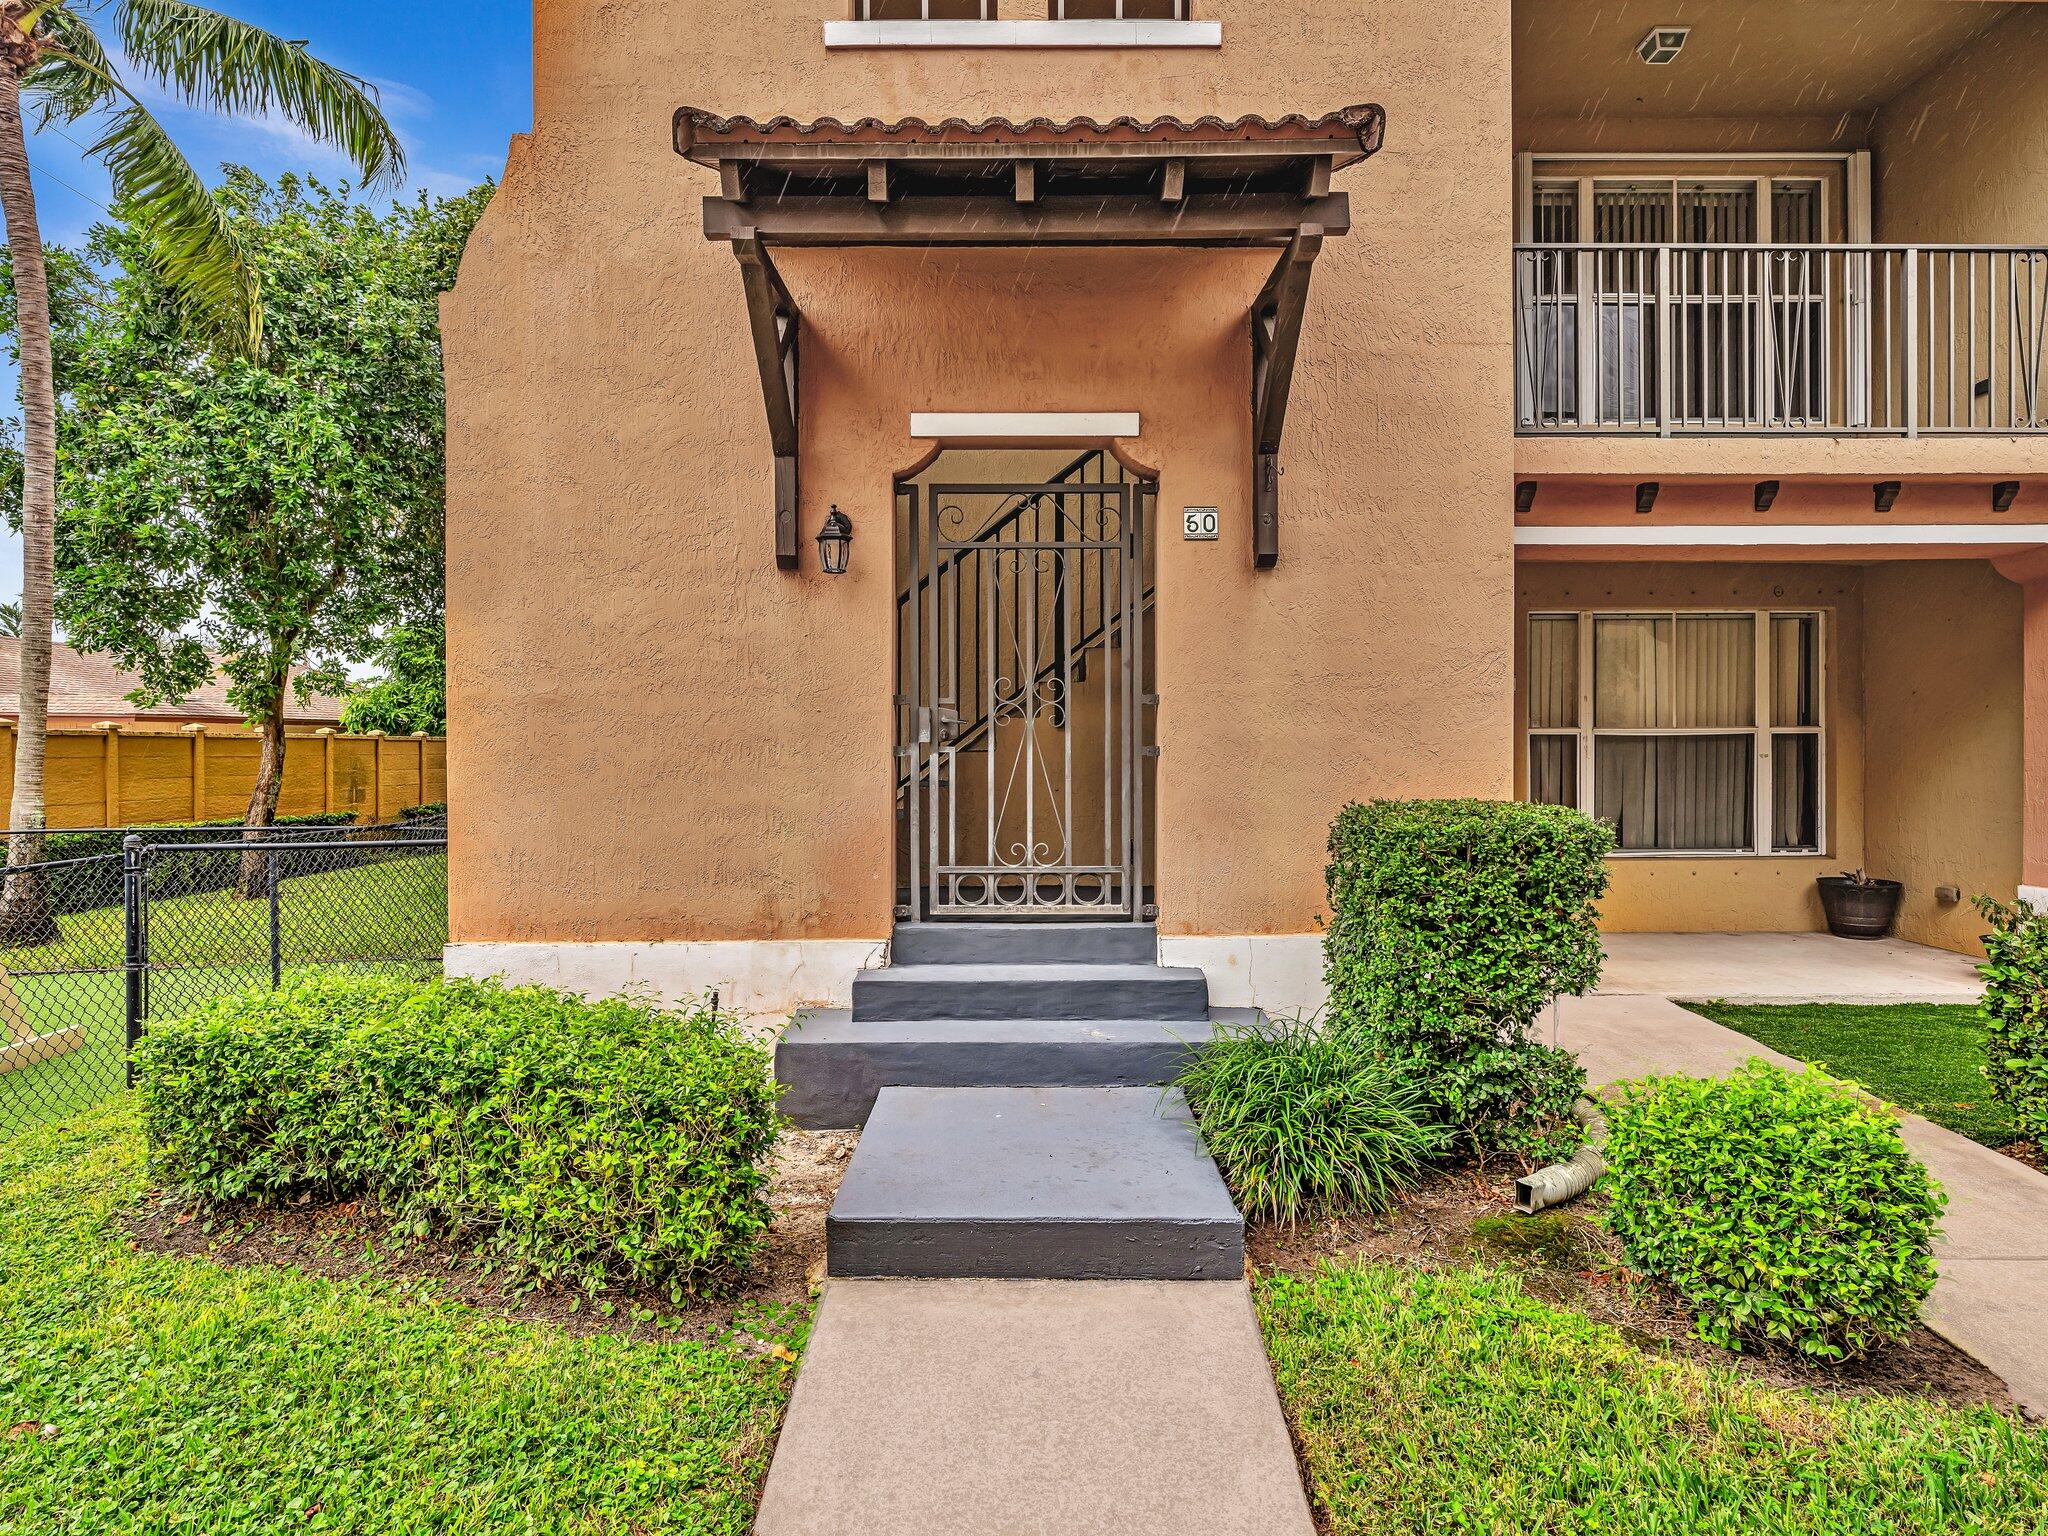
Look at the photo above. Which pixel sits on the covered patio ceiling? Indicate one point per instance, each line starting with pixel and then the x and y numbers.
pixel 1245 182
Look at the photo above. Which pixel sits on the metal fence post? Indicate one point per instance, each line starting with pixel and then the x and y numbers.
pixel 276 934
pixel 134 949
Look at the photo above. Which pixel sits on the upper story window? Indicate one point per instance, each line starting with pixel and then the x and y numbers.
pixel 1638 210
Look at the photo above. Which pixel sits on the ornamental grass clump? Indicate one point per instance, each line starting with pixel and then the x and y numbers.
pixel 1302 1120
pixel 575 1141
pixel 2016 1008
pixel 1454 924
pixel 1780 1205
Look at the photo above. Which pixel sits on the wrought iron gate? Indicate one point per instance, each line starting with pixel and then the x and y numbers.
pixel 1021 706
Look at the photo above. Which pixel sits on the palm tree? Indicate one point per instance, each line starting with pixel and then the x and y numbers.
pixel 56 57
pixel 10 618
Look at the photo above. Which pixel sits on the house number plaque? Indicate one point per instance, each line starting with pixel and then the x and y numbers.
pixel 1198 522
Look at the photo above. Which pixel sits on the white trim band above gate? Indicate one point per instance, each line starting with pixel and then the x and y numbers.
pixel 1023 426
pixel 1820 535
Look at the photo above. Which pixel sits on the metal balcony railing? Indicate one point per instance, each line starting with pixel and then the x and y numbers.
pixel 1898 340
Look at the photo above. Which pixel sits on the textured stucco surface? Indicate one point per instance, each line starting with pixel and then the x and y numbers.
pixel 1942 681
pixel 660 736
pixel 1958 154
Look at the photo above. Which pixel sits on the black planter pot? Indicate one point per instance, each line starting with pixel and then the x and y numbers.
pixel 1859 911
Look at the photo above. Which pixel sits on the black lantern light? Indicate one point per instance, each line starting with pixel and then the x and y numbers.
pixel 834 541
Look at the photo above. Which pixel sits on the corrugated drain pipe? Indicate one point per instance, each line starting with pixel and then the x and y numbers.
pixel 1569 1179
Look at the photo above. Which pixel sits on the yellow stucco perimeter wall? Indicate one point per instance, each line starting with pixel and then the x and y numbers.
pixel 660 736
pixel 1734 894
pixel 1942 683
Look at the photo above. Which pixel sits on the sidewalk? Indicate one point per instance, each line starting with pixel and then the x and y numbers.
pixel 978 1407
pixel 1992 1297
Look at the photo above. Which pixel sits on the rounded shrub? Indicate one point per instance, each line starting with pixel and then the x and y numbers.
pixel 2016 1011
pixel 1453 924
pixel 581 1141
pixel 1779 1205
pixel 1302 1119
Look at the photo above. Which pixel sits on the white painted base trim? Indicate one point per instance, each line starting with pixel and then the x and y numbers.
pixel 1279 972
pixel 762 977
pixel 1023 426
pixel 2035 896
pixel 1023 34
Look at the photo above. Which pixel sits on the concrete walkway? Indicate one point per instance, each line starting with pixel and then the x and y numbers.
pixel 1021 1407
pixel 1991 1299
pixel 1786 968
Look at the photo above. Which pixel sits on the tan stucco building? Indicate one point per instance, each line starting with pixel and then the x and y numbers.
pixel 1667 438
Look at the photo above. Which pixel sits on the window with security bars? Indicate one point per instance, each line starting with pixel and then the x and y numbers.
pixel 1691 732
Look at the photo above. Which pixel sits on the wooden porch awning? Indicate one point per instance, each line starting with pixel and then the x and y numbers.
pixel 1251 181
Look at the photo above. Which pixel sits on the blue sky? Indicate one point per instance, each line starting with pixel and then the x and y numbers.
pixel 456 81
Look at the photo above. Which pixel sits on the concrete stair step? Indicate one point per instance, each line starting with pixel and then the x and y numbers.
pixel 1033 1184
pixel 832 1065
pixel 1032 991
pixel 1025 944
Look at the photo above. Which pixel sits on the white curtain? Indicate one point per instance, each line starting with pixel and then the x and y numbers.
pixel 1689 672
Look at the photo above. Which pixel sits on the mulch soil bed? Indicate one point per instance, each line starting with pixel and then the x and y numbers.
pixel 352 1239
pixel 2028 1152
pixel 1568 1257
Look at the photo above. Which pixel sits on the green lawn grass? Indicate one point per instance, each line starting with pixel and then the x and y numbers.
pixel 140 1392
pixel 1923 1057
pixel 1455 1402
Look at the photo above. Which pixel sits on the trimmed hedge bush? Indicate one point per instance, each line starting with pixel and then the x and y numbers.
pixel 1302 1120
pixel 581 1141
pixel 1455 922
pixel 2016 1008
pixel 1779 1205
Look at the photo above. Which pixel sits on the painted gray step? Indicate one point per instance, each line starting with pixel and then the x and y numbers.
pixel 832 1065
pixel 1024 944
pixel 1033 1184
pixel 1031 992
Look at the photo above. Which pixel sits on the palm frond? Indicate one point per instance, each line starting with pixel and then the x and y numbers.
pixel 193 244
pixel 76 79
pixel 223 64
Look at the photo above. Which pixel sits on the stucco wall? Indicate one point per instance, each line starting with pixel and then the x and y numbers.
pixel 660 736
pixel 1958 156
pixel 1735 893
pixel 1943 776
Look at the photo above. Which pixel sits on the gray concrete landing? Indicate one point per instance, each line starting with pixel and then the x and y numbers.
pixel 1991 1297
pixel 1786 968
pixel 1033 1183
pixel 1027 1408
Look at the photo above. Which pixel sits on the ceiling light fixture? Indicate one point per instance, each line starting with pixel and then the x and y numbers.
pixel 1662 44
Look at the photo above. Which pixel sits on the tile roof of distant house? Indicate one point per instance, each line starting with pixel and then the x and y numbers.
pixel 95 686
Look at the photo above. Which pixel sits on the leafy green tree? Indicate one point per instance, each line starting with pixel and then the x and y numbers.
pixel 274 513
pixel 71 61
pixel 412 695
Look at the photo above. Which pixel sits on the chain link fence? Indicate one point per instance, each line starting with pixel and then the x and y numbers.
pixel 93 948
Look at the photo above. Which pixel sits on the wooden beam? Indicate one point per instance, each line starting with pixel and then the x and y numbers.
pixel 1173 181
pixel 732 183
pixel 1276 320
pixel 774 320
pixel 1027 181
pixel 1254 219
pixel 878 181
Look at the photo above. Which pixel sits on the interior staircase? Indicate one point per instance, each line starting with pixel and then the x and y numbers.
pixel 1009 1079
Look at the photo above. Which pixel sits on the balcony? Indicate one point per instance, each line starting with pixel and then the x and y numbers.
pixel 1669 340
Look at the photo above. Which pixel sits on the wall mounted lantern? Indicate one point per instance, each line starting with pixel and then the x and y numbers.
pixel 1662 44
pixel 835 540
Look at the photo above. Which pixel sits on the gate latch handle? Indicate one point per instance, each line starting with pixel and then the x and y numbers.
pixel 949 723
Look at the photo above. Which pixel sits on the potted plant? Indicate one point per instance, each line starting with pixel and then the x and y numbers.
pixel 1859 907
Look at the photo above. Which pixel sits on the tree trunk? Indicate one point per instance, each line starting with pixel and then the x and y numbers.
pixel 262 811
pixel 25 916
